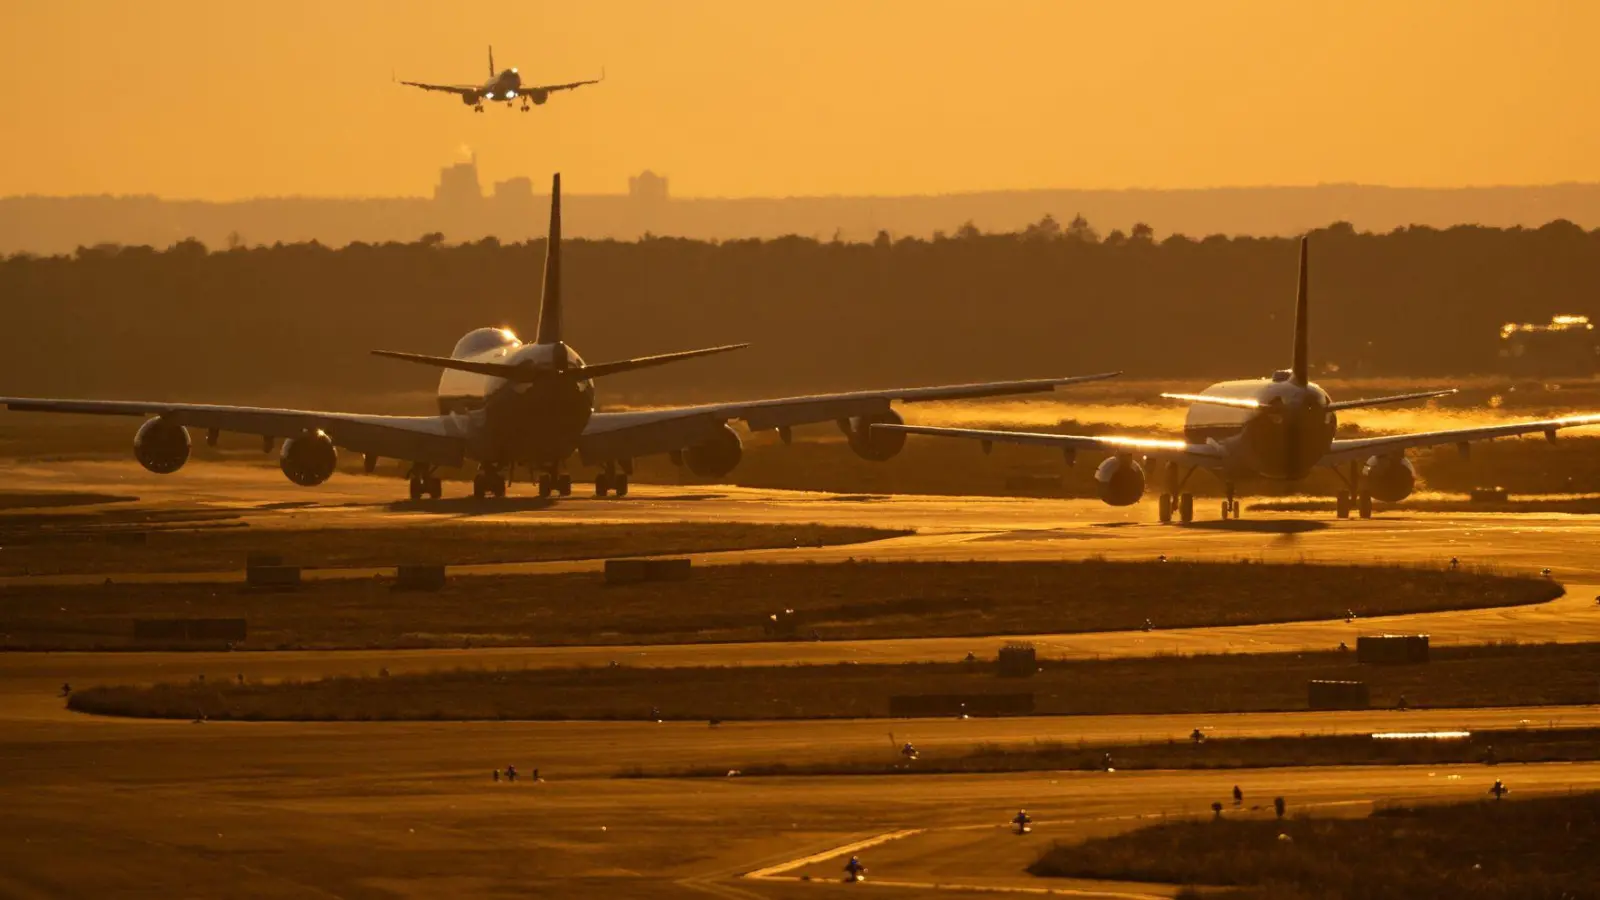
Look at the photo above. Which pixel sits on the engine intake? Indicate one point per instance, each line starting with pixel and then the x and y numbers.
pixel 538 97
pixel 308 460
pixel 716 456
pixel 161 446
pixel 1389 478
pixel 1120 481
pixel 867 443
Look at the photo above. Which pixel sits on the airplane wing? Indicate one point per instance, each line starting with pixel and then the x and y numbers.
pixel 1360 448
pixel 461 89
pixel 624 435
pixel 1209 455
pixel 560 87
pixel 438 440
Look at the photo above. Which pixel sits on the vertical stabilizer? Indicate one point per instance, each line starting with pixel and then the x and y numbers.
pixel 491 61
pixel 1300 370
pixel 550 303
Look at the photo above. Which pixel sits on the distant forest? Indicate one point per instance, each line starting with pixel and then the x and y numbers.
pixel 296 321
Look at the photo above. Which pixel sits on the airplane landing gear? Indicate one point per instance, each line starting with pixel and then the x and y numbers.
pixel 1354 499
pixel 1230 506
pixel 489 482
pixel 614 478
pixel 424 483
pixel 1179 505
pixel 554 483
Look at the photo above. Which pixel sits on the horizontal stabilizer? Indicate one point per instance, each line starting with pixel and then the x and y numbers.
pixel 526 372
pixel 1383 401
pixel 495 370
pixel 1209 400
pixel 599 370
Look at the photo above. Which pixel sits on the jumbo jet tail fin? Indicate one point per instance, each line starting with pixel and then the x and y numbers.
pixel 1300 369
pixel 550 303
pixel 492 72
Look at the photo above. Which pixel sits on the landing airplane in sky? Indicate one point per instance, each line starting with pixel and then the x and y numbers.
pixel 505 86
pixel 504 403
pixel 1279 428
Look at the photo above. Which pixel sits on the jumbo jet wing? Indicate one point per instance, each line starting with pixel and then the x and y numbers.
pixel 459 89
pixel 624 435
pixel 1360 448
pixel 438 440
pixel 1209 455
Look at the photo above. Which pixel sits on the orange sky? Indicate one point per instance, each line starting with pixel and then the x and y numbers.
pixel 221 100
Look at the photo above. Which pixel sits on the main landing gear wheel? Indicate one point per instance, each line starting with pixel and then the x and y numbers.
pixel 554 484
pixel 611 483
pixel 488 484
pixel 1164 508
pixel 426 486
pixel 1341 504
pixel 1186 508
pixel 1366 506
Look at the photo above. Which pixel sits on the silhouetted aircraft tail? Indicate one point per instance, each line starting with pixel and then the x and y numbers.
pixel 549 331
pixel 491 61
pixel 1300 369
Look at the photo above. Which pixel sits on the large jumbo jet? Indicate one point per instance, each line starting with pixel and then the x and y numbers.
pixel 504 86
pixel 1276 428
pixel 503 403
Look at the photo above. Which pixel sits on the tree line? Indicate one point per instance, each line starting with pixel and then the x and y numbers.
pixel 1053 298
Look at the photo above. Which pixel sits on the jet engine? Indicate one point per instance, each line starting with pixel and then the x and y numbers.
pixel 1120 481
pixel 469 99
pixel 161 446
pixel 309 459
pixel 874 445
pixel 1389 478
pixel 716 456
pixel 537 97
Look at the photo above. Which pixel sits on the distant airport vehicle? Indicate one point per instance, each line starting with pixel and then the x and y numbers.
pixel 504 86
pixel 1280 427
pixel 503 403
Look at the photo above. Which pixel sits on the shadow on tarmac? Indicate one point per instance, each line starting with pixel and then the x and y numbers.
pixel 1261 526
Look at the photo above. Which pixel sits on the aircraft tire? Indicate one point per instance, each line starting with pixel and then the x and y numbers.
pixel 1366 506
pixel 1186 508
pixel 1342 505
pixel 1164 508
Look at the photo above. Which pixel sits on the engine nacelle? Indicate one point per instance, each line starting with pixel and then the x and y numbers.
pixel 874 445
pixel 161 446
pixel 469 99
pixel 1389 478
pixel 1120 481
pixel 716 456
pixel 537 97
pixel 309 459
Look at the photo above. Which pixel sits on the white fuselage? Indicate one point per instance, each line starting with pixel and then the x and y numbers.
pixel 1283 435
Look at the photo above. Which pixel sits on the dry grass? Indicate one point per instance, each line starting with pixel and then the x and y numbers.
pixel 1538 849
pixel 840 601
pixel 1510 746
pixel 45 544
pixel 1458 677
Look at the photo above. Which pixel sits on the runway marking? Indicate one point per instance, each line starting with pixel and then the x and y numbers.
pixel 852 848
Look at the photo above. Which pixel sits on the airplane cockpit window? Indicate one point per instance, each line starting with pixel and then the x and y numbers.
pixel 483 340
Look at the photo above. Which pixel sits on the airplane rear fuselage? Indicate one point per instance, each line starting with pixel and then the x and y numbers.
pixel 1282 436
pixel 537 422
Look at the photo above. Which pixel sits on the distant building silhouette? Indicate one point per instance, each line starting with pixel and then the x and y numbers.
pixel 514 190
pixel 458 184
pixel 1566 346
pixel 647 187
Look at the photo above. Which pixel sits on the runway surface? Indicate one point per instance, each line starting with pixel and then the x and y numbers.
pixel 119 807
